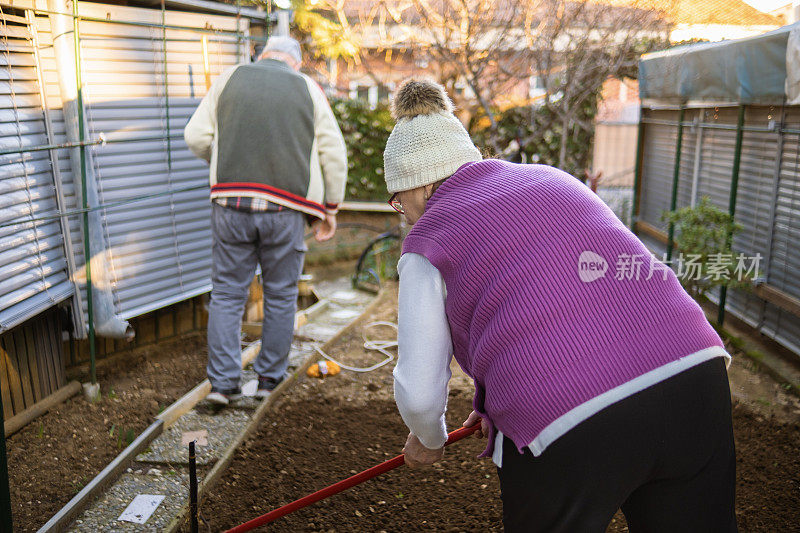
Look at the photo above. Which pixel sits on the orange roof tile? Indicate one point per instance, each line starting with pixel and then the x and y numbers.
pixel 729 12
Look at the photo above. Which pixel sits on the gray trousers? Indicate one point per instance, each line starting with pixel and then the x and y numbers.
pixel 273 239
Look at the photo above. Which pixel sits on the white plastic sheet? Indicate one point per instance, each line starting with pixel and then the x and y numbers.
pixel 793 67
pixel 757 70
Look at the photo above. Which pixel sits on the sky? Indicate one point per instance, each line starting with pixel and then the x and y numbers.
pixel 767 5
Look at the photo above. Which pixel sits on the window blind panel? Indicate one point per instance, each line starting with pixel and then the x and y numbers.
pixel 157 248
pixel 657 167
pixel 33 270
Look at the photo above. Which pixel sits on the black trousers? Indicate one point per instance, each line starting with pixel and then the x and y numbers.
pixel 665 456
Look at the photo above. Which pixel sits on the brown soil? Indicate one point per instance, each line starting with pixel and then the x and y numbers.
pixel 755 389
pixel 324 431
pixel 53 457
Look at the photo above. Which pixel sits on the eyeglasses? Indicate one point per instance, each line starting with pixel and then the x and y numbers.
pixel 395 203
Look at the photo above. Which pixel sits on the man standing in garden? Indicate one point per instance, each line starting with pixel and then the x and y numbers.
pixel 277 158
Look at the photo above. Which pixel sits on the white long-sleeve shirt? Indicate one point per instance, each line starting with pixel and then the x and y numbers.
pixel 425 350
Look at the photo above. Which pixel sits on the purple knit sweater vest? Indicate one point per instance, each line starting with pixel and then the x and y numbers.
pixel 536 336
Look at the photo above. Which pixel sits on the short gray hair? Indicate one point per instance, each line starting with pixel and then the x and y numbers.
pixel 284 45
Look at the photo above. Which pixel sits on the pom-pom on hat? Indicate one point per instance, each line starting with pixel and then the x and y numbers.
pixel 420 97
pixel 428 143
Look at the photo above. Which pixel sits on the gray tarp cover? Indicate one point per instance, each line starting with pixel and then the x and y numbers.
pixel 757 70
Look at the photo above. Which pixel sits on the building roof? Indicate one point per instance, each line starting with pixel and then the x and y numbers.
pixel 727 12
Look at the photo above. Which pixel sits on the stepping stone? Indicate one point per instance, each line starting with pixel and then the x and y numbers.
pixel 319 330
pixel 341 291
pixel 344 316
pixel 328 287
pixel 222 429
pixel 350 298
pixel 103 515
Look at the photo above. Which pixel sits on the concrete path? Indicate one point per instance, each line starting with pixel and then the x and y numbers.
pixel 162 469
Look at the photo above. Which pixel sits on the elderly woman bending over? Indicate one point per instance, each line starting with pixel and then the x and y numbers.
pixel 598 387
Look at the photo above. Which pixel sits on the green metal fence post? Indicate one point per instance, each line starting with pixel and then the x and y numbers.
pixel 166 83
pixel 87 252
pixel 673 203
pixel 637 171
pixel 6 523
pixel 723 292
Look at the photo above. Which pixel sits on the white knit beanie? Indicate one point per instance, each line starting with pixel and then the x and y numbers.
pixel 285 45
pixel 428 143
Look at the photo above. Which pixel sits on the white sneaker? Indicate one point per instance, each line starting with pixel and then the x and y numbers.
pixel 262 394
pixel 266 386
pixel 223 397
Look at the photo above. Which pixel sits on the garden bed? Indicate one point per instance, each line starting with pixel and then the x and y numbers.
pixel 324 431
pixel 54 456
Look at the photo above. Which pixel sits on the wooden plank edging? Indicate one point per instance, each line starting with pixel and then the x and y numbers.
pixel 185 403
pixel 76 505
pixel 66 514
pixel 20 420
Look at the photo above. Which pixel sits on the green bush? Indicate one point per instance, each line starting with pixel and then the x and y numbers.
pixel 540 132
pixel 703 235
pixel 365 132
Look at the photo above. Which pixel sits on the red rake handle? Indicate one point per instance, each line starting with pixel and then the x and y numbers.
pixel 343 485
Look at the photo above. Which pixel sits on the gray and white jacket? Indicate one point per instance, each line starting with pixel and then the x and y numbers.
pixel 268 132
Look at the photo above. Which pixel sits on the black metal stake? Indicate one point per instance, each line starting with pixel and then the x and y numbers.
pixel 193 527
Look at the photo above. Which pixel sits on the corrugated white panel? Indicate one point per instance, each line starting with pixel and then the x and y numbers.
pixel 784 271
pixel 754 202
pixel 158 249
pixel 717 154
pixel 688 149
pixel 33 268
pixel 658 164
pixel 767 214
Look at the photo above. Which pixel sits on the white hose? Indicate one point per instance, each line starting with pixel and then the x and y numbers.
pixel 369 344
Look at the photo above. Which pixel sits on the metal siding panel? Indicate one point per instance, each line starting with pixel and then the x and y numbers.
pixel 657 166
pixel 754 199
pixel 19 313
pixel 123 73
pixel 758 166
pixel 754 202
pixel 785 261
pixel 158 248
pixel 688 148
pixel 33 268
